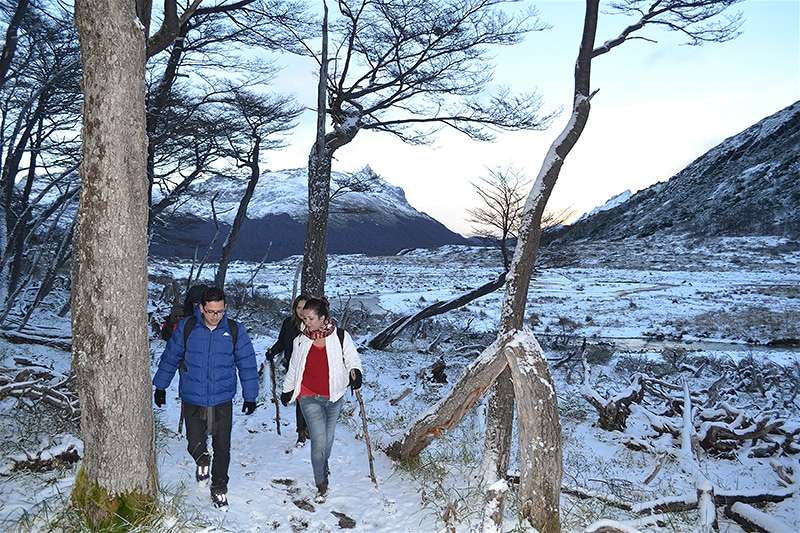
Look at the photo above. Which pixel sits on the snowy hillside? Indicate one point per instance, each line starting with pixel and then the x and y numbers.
pixel 614 201
pixel 747 185
pixel 380 221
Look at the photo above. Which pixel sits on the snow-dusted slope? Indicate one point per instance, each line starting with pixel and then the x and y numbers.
pixel 614 201
pixel 380 221
pixel 286 192
pixel 747 185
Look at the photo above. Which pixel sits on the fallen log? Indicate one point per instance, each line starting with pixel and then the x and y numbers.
pixel 751 519
pixel 390 333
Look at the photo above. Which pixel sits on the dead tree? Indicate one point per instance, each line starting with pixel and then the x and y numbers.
pixel 407 68
pixel 502 196
pixel 539 495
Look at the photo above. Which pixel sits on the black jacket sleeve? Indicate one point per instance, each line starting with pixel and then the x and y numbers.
pixel 285 338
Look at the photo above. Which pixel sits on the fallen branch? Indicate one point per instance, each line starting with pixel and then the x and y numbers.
pixel 751 519
pixel 389 334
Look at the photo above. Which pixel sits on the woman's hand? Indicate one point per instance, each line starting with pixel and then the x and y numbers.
pixel 355 379
pixel 286 397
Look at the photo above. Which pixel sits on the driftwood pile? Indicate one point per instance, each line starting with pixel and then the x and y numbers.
pixel 704 421
pixel 40 384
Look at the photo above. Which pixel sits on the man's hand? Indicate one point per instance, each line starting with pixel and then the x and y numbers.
pixel 286 397
pixel 248 408
pixel 160 397
pixel 355 379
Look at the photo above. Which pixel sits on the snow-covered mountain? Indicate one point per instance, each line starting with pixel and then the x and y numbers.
pixel 379 221
pixel 747 185
pixel 612 202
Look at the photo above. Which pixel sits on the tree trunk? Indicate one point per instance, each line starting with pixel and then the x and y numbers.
pixel 117 480
pixel 539 434
pixel 241 213
pixel 497 446
pixel 315 246
pixel 539 425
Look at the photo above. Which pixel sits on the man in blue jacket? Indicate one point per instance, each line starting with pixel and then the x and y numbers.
pixel 208 348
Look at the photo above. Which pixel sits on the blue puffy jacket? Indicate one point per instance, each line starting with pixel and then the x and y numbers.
pixel 211 364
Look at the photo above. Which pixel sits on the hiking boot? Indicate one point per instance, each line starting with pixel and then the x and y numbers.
pixel 201 473
pixel 322 492
pixel 220 499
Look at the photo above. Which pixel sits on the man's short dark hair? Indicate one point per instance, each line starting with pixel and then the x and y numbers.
pixel 213 294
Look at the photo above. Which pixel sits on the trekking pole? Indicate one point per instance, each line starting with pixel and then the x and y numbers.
pixel 275 395
pixel 366 436
pixel 180 421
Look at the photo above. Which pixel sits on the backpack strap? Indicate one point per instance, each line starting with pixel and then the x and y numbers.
pixel 340 334
pixel 188 326
pixel 234 327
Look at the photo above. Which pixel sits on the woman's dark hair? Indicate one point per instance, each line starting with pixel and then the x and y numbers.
pixel 300 297
pixel 319 306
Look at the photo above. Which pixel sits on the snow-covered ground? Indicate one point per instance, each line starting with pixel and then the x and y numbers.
pixel 636 300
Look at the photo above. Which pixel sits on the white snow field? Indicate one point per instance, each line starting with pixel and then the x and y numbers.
pixel 643 306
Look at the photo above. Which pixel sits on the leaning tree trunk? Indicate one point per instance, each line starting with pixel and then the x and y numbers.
pixel 241 213
pixel 539 426
pixel 117 479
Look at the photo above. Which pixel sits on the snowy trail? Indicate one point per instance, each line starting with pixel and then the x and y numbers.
pixel 261 498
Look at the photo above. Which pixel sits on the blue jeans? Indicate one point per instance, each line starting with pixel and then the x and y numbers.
pixel 321 416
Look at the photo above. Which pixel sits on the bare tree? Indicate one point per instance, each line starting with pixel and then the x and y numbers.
pixel 517 349
pixel 409 69
pixel 259 120
pixel 502 195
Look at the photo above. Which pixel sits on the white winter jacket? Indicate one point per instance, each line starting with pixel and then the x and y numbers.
pixel 339 365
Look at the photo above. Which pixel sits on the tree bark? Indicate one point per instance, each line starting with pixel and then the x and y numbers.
pixel 117 480
pixel 497 446
pixel 241 214
pixel 315 246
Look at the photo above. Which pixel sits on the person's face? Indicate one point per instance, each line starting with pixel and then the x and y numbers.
pixel 212 312
pixel 298 308
pixel 311 319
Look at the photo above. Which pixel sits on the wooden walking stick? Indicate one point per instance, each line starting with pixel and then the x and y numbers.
pixel 274 394
pixel 366 436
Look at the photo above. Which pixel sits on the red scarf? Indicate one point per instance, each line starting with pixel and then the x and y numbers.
pixel 326 329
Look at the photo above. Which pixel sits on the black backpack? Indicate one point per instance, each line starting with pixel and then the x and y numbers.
pixel 193 297
pixel 191 322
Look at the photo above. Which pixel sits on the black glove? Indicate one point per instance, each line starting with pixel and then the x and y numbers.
pixel 355 379
pixel 248 408
pixel 160 397
pixel 269 354
pixel 286 397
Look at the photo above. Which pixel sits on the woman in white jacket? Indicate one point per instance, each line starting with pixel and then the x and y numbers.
pixel 323 364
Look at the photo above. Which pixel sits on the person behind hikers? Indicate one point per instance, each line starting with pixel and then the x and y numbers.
pixel 324 363
pixel 208 348
pixel 290 329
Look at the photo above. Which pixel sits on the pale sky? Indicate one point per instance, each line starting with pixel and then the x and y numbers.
pixel 659 107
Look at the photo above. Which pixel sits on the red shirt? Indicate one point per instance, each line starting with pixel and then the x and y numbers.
pixel 315 375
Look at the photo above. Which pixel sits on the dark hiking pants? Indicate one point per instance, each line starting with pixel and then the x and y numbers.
pixel 302 429
pixel 215 421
